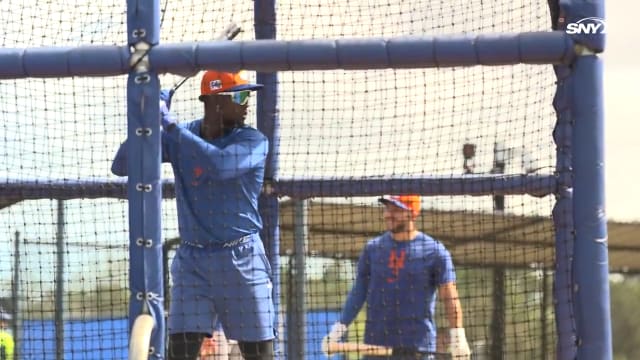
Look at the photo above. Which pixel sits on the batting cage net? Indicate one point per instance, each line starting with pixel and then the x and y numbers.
pixel 65 263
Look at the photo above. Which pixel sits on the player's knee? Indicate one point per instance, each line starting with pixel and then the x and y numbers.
pixel 260 350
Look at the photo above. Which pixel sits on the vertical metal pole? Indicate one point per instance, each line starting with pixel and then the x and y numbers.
pixel 499 273
pixel 144 185
pixel 59 286
pixel 563 219
pixel 499 164
pixel 15 296
pixel 165 270
pixel 543 314
pixel 497 319
pixel 268 123
pixel 591 263
pixel 582 270
pixel 296 326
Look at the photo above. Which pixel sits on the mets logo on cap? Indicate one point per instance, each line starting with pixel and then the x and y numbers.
pixel 214 82
pixel 215 85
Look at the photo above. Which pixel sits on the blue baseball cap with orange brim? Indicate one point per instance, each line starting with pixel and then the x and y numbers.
pixel 407 202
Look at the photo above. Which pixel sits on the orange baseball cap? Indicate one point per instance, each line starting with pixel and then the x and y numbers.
pixel 214 82
pixel 407 202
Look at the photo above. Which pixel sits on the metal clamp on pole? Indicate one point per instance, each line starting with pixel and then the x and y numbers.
pixel 139 60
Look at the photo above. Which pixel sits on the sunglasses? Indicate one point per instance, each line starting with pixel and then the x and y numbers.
pixel 238 97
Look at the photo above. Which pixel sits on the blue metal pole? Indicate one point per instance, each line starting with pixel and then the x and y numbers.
pixel 591 265
pixel 144 188
pixel 268 124
pixel 296 307
pixel 563 219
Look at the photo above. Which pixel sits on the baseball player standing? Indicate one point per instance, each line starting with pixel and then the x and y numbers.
pixel 220 271
pixel 398 275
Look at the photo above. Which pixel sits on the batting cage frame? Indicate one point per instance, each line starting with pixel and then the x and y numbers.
pixel 581 287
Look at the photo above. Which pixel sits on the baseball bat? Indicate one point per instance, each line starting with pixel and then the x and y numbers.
pixel 141 337
pixel 230 32
pixel 334 347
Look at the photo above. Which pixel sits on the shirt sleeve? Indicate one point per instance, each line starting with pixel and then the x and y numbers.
pixel 445 271
pixel 119 164
pixel 248 152
pixel 358 293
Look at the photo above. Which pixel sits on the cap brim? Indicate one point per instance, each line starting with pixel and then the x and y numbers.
pixel 393 202
pixel 243 87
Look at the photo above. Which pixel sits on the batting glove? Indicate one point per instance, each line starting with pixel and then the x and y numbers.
pixel 167 119
pixel 337 332
pixel 166 95
pixel 458 346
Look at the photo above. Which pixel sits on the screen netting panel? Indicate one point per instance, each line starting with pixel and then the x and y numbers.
pixel 66 278
pixel 71 259
pixel 413 123
pixel 354 124
pixel 68 129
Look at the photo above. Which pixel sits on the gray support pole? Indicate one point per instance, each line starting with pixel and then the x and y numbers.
pixel 15 296
pixel 543 314
pixel 499 272
pixel 296 327
pixel 497 317
pixel 59 286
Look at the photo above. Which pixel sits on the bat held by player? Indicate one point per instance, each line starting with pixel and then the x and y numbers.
pixel 336 347
pixel 229 33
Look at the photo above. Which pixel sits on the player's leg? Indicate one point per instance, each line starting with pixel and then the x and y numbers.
pixel 220 345
pixel 261 350
pixel 234 350
pixel 191 311
pixel 245 299
pixel 185 346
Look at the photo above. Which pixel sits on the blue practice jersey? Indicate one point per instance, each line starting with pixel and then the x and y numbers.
pixel 399 280
pixel 217 181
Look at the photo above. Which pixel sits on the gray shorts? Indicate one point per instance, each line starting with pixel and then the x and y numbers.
pixel 230 284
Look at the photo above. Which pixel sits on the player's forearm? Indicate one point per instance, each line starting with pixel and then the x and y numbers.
pixel 453 311
pixel 448 294
pixel 355 301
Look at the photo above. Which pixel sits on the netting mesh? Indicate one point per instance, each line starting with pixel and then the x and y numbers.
pixel 334 124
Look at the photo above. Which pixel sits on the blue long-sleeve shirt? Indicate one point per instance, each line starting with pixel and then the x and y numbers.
pixel 217 182
pixel 399 280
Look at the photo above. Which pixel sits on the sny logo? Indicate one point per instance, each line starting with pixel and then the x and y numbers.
pixel 588 25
